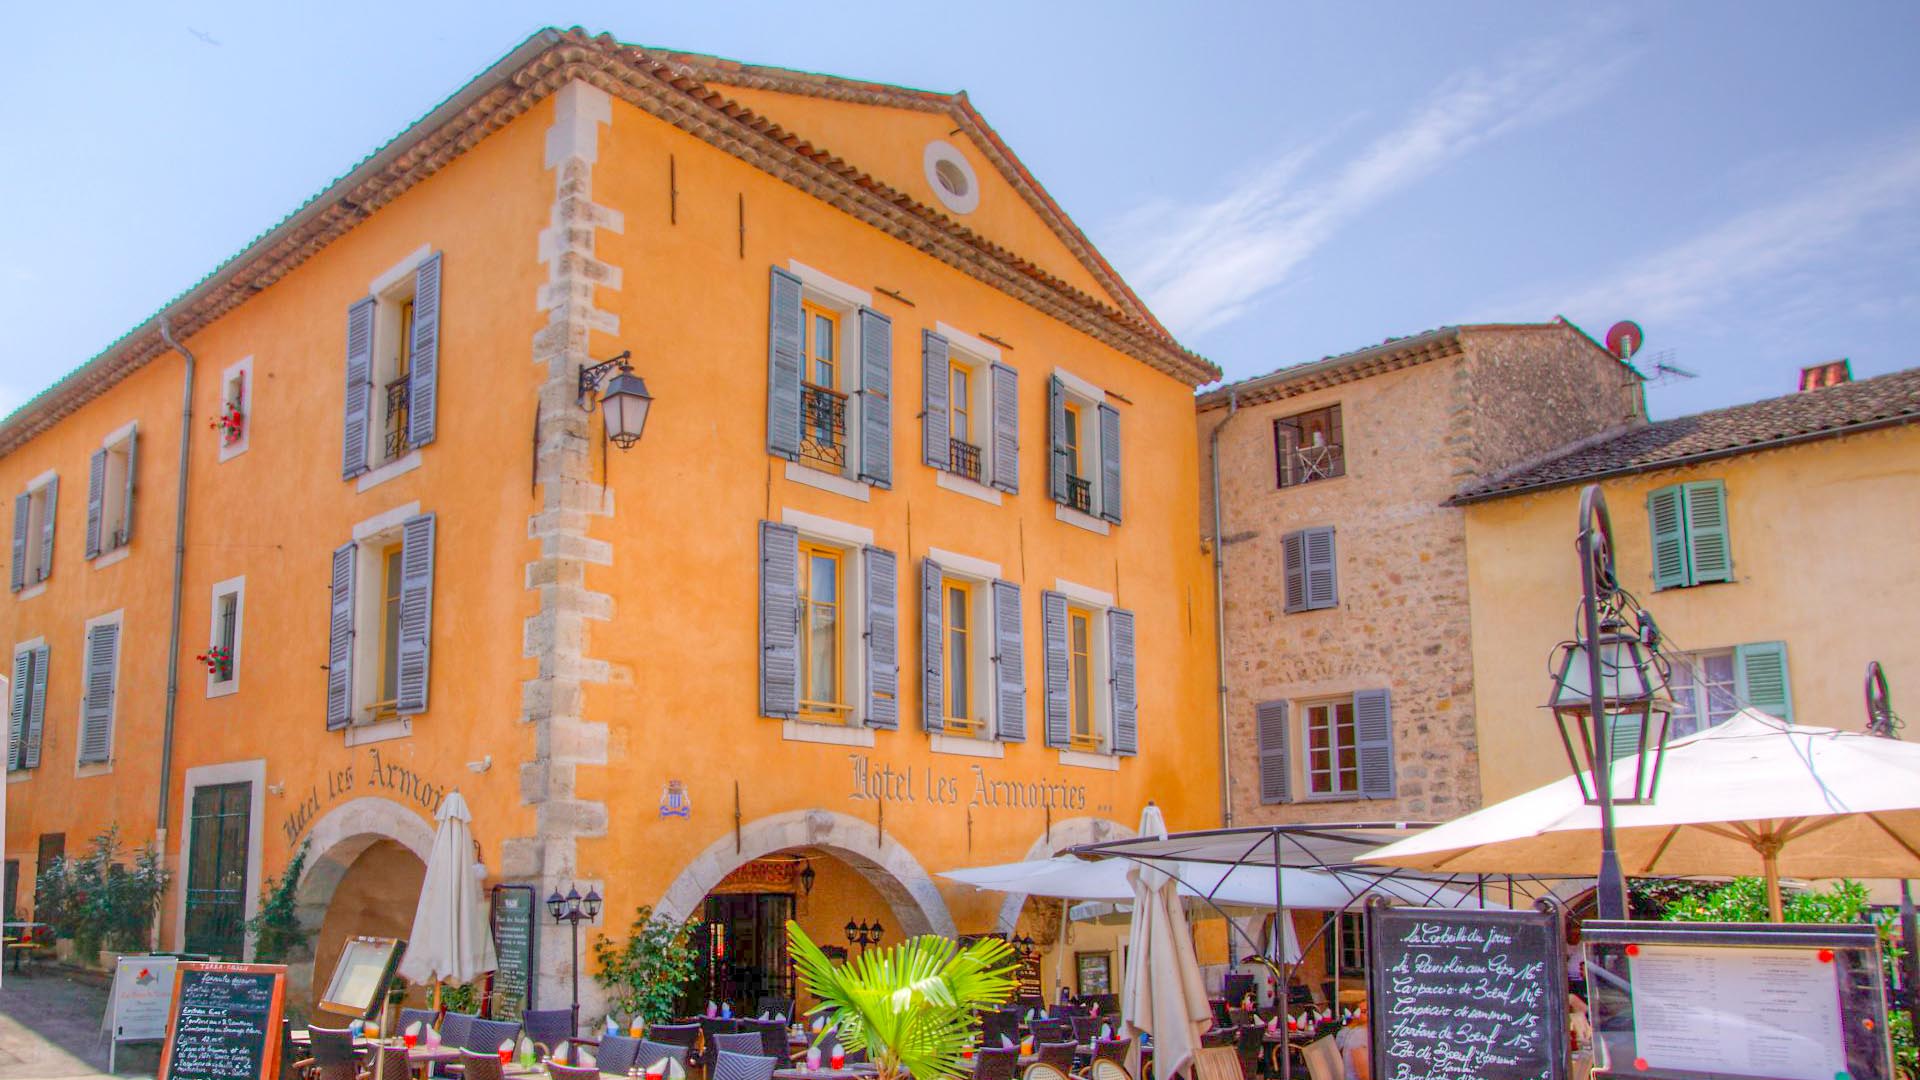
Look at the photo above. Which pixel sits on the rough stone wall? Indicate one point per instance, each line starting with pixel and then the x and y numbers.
pixel 1533 390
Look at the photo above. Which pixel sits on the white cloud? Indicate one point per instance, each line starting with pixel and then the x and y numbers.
pixel 1201 265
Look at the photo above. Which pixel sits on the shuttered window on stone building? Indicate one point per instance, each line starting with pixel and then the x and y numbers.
pixel 1309 561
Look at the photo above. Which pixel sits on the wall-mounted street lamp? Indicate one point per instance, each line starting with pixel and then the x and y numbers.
pixel 1023 947
pixel 575 909
pixel 624 402
pixel 862 934
pixel 806 878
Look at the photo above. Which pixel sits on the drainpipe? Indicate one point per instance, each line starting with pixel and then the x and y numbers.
pixel 1220 612
pixel 179 565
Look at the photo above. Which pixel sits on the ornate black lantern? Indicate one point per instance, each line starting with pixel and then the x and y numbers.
pixel 623 404
pixel 1637 709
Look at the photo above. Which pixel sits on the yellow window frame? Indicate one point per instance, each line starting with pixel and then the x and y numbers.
pixel 387 704
pixel 811 709
pixel 1071 438
pixel 958 725
pixel 811 313
pixel 1081 736
pixel 960 405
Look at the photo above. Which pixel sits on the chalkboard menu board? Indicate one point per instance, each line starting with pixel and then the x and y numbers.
pixel 1466 994
pixel 514 908
pixel 225 1023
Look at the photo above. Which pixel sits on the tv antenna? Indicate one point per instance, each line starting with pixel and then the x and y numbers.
pixel 1662 369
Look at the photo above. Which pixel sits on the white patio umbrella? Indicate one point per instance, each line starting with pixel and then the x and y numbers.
pixel 1164 994
pixel 1753 793
pixel 450 938
pixel 1233 888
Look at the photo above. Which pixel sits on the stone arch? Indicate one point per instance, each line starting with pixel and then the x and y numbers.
pixel 918 907
pixel 1063 835
pixel 338 838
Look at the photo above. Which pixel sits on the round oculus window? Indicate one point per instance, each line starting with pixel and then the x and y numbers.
pixel 951 177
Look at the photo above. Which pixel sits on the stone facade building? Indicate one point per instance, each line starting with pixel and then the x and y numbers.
pixel 1348 685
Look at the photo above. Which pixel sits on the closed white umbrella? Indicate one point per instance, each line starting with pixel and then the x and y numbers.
pixel 1164 994
pixel 1753 793
pixel 450 938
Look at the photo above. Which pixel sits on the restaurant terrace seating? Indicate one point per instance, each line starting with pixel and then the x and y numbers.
pixel 728 1065
pixel 648 1053
pixel 1106 1069
pixel 1040 1070
pixel 394 1064
pixel 1052 1030
pixel 1057 1054
pixel 773 1036
pixel 426 1017
pixel 476 1066
pixel 1114 1050
pixel 776 1007
pixel 996 1063
pixel 571 1072
pixel 687 1035
pixel 550 1029
pixel 1085 1028
pixel 617 1054
pixel 739 1042
pixel 330 1055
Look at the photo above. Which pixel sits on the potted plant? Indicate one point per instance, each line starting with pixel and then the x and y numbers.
pixel 275 928
pixel 52 904
pixel 910 1007
pixel 645 973
pixel 230 423
pixel 219 661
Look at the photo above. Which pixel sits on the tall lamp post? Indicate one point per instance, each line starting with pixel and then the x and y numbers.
pixel 1609 696
pixel 574 909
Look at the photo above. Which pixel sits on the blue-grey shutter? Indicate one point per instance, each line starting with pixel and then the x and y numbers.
pixel 786 344
pixel 46 528
pixel 876 398
pixel 1010 664
pixel 36 708
pixel 882 637
pixel 359 397
pixel 22 510
pixel 1122 691
pixel 340 639
pixel 1709 556
pixel 423 374
pixel 1623 737
pixel 1760 678
pixel 779 620
pixel 126 517
pixel 1323 584
pixel 1109 463
pixel 1006 429
pixel 933 684
pixel 1667 516
pixel 1276 766
pixel 1057 440
pixel 96 499
pixel 1293 565
pixel 1373 742
pixel 17 708
pixel 935 447
pixel 416 615
pixel 96 710
pixel 1053 630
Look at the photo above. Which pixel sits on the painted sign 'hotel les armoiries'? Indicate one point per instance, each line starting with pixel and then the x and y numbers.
pixel 901 574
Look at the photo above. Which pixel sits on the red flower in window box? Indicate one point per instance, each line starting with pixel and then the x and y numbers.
pixel 231 424
pixel 219 661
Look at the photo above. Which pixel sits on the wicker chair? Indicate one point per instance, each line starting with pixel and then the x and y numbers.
pixel 485 1036
pixel 453 1028
pixel 392 1064
pixel 425 1016
pixel 1052 1030
pixel 551 1030
pixel 1057 1054
pixel 996 1063
pixel 1104 1069
pixel 475 1066
pixel 995 1026
pixel 777 1007
pixel 1040 1070
pixel 330 1055
pixel 731 1066
pixel 1085 1029
pixel 650 1053
pixel 773 1037
pixel 1114 1050
pixel 737 1042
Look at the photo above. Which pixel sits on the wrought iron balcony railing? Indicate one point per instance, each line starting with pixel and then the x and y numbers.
pixel 823 427
pixel 396 438
pixel 1080 493
pixel 963 459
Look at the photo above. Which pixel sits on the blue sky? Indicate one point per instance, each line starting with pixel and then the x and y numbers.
pixel 1281 181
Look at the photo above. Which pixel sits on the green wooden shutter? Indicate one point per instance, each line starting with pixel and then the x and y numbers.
pixel 1276 766
pixel 96 708
pixel 1053 629
pixel 1057 440
pixel 423 374
pixel 126 517
pixel 1760 678
pixel 933 684
pixel 46 529
pixel 17 708
pixel 779 620
pixel 882 635
pixel 786 342
pixel 1666 514
pixel 96 499
pixel 1009 664
pixel 934 435
pixel 37 707
pixel 1373 742
pixel 1006 429
pixel 876 398
pixel 340 638
pixel 1709 556
pixel 1109 463
pixel 1322 569
pixel 1124 694
pixel 416 614
pixel 358 414
pixel 22 511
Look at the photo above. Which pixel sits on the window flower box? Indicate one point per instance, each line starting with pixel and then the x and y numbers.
pixel 219 661
pixel 231 424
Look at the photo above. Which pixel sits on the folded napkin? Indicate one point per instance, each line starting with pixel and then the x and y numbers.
pixel 1106 1031
pixel 766 1016
pixel 1005 1042
pixel 712 1009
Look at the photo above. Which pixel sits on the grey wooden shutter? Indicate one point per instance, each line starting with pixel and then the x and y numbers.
pixel 786 342
pixel 934 434
pixel 340 639
pixel 46 529
pixel 126 517
pixel 1010 664
pixel 1006 429
pixel 96 711
pixel 1760 678
pixel 17 708
pixel 96 492
pixel 416 614
pixel 779 620
pixel 882 637
pixel 423 376
pixel 933 684
pixel 22 510
pixel 1123 693
pixel 1057 439
pixel 1323 585
pixel 36 708
pixel 1373 742
pixel 1276 765
pixel 876 398
pixel 1053 630
pixel 359 398
pixel 1293 563
pixel 1109 463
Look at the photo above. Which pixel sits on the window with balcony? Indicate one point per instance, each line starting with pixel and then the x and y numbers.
pixel 1079 484
pixel 34 514
pixel 823 405
pixel 963 444
pixel 970 419
pixel 1309 446
pixel 1084 433
pixel 829 383
pixel 393 360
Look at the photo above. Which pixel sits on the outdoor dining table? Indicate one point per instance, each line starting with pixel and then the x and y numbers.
pixel 862 1071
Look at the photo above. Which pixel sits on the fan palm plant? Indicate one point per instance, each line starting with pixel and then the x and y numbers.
pixel 910 1006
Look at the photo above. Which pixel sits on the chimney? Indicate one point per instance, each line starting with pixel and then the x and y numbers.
pixel 1821 376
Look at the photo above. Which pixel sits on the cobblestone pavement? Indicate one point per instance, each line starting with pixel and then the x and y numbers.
pixel 50 1029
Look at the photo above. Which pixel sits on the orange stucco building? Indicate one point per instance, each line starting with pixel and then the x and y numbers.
pixel 901 575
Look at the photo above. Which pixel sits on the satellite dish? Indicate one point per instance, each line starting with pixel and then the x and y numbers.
pixel 1625 338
